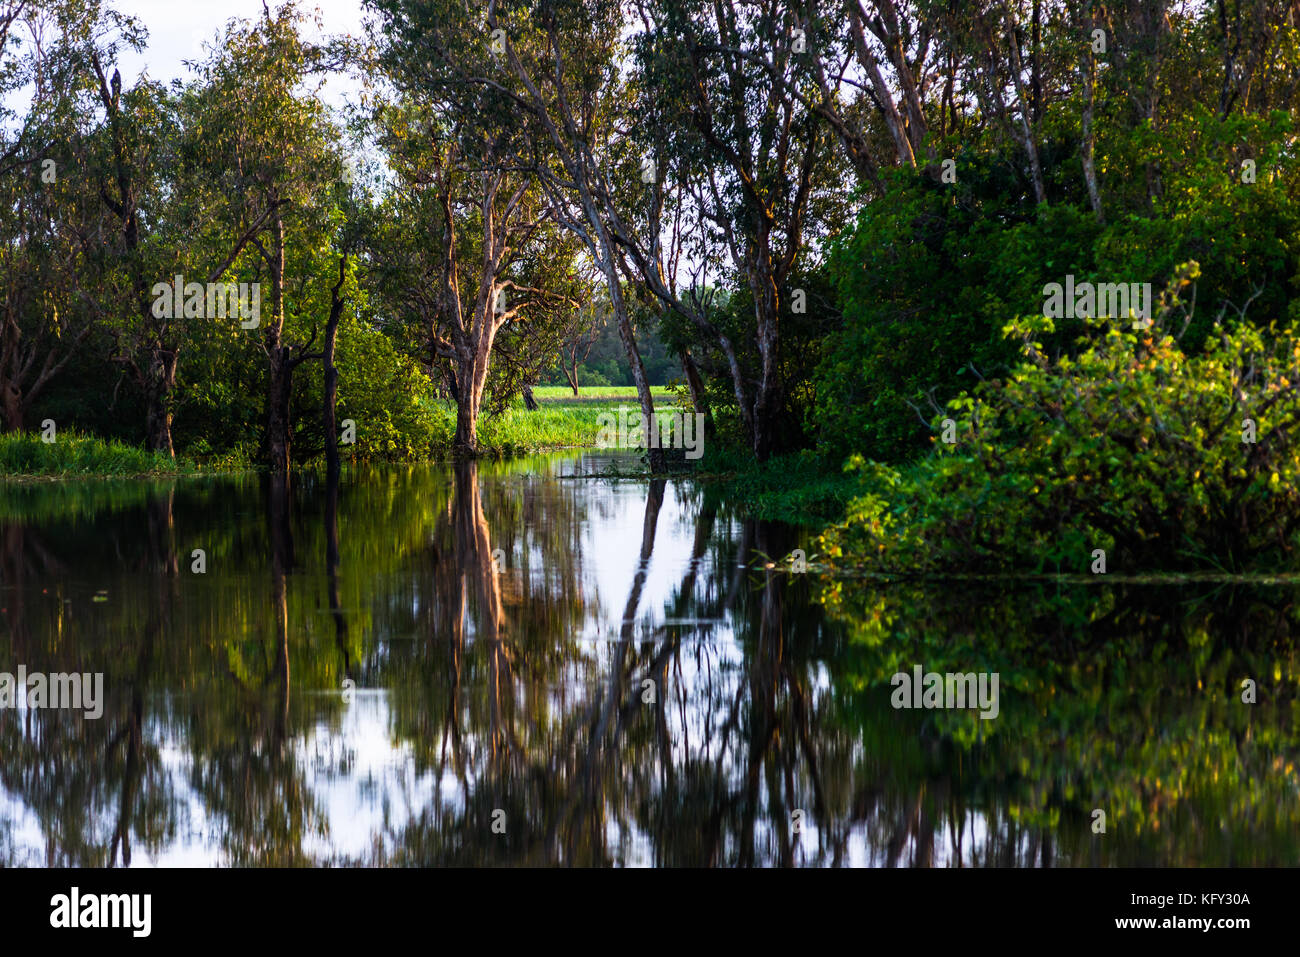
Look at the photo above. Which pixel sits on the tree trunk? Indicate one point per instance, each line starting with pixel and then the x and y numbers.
pixel 158 399
pixel 699 400
pixel 11 398
pixel 1028 130
pixel 281 362
pixel 331 376
pixel 472 377
pixel 1088 139
pixel 277 420
pixel 767 400
pixel 626 333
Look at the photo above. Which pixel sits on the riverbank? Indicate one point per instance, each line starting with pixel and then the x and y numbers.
pixel 561 422
pixel 27 457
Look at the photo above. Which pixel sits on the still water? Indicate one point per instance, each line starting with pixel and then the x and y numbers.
pixel 537 662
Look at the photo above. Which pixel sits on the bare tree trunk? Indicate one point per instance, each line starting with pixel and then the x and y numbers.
pixel 1088 140
pixel 331 375
pixel 281 362
pixel 699 399
pixel 625 332
pixel 884 97
pixel 571 375
pixel 1027 127
pixel 768 395
pixel 465 443
pixel 893 40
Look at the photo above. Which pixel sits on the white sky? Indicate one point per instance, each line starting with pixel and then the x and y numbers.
pixel 178 28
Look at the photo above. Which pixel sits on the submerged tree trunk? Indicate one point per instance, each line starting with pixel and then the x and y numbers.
pixel 277 421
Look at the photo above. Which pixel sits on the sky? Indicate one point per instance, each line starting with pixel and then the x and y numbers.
pixel 179 28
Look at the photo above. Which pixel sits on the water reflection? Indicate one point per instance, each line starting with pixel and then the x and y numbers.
pixel 552 666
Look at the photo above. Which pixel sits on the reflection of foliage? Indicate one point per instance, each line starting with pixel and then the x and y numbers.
pixel 503 689
pixel 1125 700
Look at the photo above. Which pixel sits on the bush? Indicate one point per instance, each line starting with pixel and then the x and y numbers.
pixel 1162 459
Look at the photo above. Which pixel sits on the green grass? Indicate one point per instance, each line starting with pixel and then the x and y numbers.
pixel 560 423
pixel 556 393
pixel 72 455
pixel 553 426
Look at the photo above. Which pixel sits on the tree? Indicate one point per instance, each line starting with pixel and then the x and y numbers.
pixel 263 165
pixel 756 160
pixel 557 66
pixel 580 334
pixel 489 259
pixel 52 254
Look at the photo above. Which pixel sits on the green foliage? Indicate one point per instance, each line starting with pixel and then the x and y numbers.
pixel 1136 447
pixel 930 273
pixel 926 279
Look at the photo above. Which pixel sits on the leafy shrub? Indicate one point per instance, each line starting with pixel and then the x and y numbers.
pixel 1134 447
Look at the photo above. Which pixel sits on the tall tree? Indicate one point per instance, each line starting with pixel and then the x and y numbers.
pixel 264 164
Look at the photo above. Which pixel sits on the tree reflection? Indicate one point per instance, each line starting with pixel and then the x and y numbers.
pixel 532 704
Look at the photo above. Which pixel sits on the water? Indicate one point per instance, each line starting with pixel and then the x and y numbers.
pixel 529 663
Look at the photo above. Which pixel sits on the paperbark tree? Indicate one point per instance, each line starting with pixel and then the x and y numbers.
pixel 262 180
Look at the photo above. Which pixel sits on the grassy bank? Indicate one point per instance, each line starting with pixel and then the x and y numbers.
pixel 73 455
pixel 562 422
pixel 562 393
pixel 556 425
